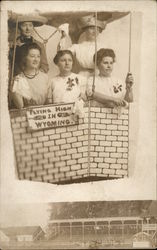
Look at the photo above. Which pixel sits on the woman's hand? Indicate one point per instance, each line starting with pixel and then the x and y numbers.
pixel 89 91
pixel 129 81
pixel 32 102
pixel 119 102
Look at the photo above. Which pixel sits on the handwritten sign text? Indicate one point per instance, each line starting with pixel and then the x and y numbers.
pixel 51 116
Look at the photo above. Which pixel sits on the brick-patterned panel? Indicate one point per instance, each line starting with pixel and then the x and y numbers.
pixel 63 155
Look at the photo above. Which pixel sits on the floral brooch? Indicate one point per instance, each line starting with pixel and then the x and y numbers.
pixel 71 83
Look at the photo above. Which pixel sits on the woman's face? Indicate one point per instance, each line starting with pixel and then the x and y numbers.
pixel 33 59
pixel 65 64
pixel 106 66
pixel 90 33
pixel 26 29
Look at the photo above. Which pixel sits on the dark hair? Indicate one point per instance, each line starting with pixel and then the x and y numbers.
pixel 103 53
pixel 22 52
pixel 61 53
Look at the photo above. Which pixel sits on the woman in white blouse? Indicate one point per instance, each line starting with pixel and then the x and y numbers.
pixel 84 51
pixel 107 90
pixel 30 86
pixel 67 87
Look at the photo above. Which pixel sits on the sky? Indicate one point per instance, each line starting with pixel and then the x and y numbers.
pixel 24 214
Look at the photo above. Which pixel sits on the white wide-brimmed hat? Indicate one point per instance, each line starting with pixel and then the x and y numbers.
pixel 87 21
pixel 37 20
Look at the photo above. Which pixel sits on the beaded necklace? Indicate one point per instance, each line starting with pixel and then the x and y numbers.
pixel 30 76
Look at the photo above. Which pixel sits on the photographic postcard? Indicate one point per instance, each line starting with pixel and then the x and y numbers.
pixel 78 119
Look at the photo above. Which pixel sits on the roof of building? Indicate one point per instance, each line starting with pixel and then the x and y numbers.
pixel 99 209
pixel 153 209
pixel 150 211
pixel 26 230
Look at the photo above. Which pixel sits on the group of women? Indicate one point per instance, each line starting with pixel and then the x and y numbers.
pixel 31 85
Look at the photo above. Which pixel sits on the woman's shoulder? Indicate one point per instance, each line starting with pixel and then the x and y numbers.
pixel 96 79
pixel 18 77
pixel 42 74
pixel 55 80
pixel 73 46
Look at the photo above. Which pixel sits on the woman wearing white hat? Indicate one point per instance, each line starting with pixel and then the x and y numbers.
pixel 84 51
pixel 26 24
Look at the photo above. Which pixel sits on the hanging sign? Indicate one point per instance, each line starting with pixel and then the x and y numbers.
pixel 51 116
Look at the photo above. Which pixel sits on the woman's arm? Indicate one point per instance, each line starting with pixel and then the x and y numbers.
pixel 107 100
pixel 129 95
pixel 17 100
pixel 129 92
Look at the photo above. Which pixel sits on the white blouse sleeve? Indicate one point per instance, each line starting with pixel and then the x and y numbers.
pixel 21 87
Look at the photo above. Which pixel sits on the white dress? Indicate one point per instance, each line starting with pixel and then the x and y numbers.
pixel 84 53
pixel 66 89
pixel 34 91
pixel 109 86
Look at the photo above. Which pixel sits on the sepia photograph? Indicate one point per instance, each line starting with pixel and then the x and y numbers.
pixel 80 130
pixel 78 125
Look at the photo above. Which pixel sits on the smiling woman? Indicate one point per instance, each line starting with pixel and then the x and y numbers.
pixel 26 29
pixel 31 61
pixel 31 85
pixel 25 25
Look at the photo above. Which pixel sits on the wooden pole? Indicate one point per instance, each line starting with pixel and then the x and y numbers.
pixel 83 232
pixel 14 53
pixel 89 102
pixel 130 38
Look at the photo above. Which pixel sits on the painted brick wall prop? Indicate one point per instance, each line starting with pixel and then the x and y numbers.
pixel 63 155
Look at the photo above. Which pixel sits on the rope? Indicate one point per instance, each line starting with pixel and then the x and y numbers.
pixel 95 61
pixel 89 135
pixel 45 41
pixel 129 67
pixel 89 102
pixel 129 61
pixel 130 34
pixel 14 51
